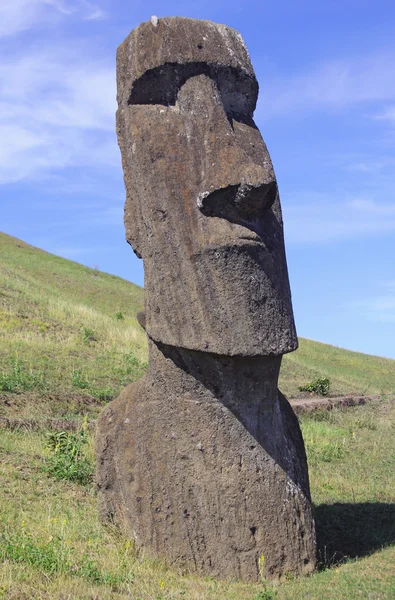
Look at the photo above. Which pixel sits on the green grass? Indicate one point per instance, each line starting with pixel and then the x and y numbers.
pixel 348 372
pixel 53 547
pixel 70 341
pixel 62 343
pixel 68 458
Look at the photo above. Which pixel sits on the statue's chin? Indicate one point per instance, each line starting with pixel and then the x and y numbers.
pixel 228 300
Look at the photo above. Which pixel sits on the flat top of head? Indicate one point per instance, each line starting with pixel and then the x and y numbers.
pixel 179 41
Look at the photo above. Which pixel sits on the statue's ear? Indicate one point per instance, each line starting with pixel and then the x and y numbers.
pixel 133 220
pixel 141 319
pixel 134 245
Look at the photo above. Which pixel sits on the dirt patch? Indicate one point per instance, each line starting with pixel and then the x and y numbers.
pixel 32 405
pixel 299 406
pixel 302 405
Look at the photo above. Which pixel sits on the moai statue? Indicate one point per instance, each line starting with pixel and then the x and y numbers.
pixel 202 461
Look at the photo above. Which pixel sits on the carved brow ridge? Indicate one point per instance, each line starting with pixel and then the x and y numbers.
pixel 161 85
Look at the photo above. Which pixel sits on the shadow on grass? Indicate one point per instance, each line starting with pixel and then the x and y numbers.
pixel 352 530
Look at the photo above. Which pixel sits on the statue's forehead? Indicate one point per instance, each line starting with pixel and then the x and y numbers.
pixel 179 41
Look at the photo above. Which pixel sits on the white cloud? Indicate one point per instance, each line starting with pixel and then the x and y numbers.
pixel 387 114
pixel 16 139
pixel 372 164
pixel 97 13
pixel 332 86
pixel 380 307
pixel 318 219
pixel 57 110
pixel 369 206
pixel 19 15
pixel 56 104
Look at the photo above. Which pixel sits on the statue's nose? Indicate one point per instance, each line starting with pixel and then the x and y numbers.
pixel 241 196
pixel 237 181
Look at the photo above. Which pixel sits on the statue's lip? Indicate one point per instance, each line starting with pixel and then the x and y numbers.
pixel 251 240
pixel 239 242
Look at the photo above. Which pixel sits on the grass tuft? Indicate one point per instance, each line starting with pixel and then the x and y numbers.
pixel 68 458
pixel 19 378
pixel 55 556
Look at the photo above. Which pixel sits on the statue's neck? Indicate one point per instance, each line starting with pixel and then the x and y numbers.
pixel 236 382
pixel 247 387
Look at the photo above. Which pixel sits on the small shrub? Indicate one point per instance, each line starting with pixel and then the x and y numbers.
pixel 78 379
pixel 68 460
pixel 19 379
pixel 88 335
pixel 90 571
pixel 266 595
pixel 319 386
pixel 105 394
pixel 119 316
pixel 47 558
pixel 8 383
pixel 130 360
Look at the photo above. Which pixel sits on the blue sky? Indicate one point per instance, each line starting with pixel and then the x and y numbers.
pixel 326 111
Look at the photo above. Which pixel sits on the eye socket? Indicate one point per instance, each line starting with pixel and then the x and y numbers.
pixel 236 203
pixel 239 91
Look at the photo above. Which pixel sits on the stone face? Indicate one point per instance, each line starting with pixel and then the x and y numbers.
pixel 202 206
pixel 202 461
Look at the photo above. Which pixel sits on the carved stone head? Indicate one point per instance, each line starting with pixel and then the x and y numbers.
pixel 202 207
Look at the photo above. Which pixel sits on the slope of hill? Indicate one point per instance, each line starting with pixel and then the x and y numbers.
pixel 69 339
pixel 68 334
pixel 349 372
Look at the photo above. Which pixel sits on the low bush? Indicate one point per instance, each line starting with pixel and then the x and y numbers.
pixel 78 380
pixel 88 335
pixel 319 386
pixel 68 459
pixel 19 379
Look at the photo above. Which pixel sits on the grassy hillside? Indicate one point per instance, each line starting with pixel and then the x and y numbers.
pixel 67 333
pixel 349 372
pixel 52 546
pixel 69 340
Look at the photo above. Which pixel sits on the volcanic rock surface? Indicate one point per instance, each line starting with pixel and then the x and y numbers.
pixel 202 461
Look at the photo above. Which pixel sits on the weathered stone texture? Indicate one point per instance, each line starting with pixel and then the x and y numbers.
pixel 202 461
pixel 211 284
